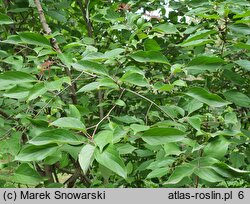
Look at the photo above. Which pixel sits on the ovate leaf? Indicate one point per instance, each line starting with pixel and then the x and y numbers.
pixel 125 148
pixel 69 122
pixel 149 56
pixel 5 19
pixel 138 128
pixel 245 64
pixel 208 174
pixel 86 157
pixel 36 91
pixel 110 159
pixel 15 77
pixel 238 98
pixel 157 173
pixel 216 148
pixel 179 173
pixel 172 149
pixel 26 175
pixel 166 28
pixel 103 138
pixel 36 153
pixel 206 97
pixel 134 78
pixel 196 42
pixel 158 136
pixel 34 39
pixel 91 67
pixel 59 136
pixel 151 44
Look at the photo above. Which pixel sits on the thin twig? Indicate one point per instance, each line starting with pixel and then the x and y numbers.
pixel 152 102
pixel 6 116
pixel 146 116
pixel 85 14
pixel 106 116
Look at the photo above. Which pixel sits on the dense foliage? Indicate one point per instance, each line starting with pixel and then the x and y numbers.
pixel 124 93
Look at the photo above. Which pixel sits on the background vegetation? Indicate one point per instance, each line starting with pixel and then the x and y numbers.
pixel 102 93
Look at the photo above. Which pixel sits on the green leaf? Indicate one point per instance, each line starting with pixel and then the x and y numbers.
pixel 206 97
pixel 157 173
pixel 54 158
pixel 128 119
pixel 204 161
pixel 105 82
pixel 237 98
pixel 36 91
pixel 208 174
pixel 12 39
pixel 103 138
pixel 5 19
pixel 57 15
pixel 15 77
pixel 172 149
pixel 70 123
pixel 138 128
pixel 151 44
pixel 34 39
pixel 163 162
pixel 193 105
pixel 240 29
pixel 17 92
pixel 57 84
pixel 173 111
pixel 74 112
pixel 73 151
pixel 195 122
pixel 196 42
pixel 26 175
pixel 245 64
pixel 90 87
pixel 3 54
pixel 237 159
pixel 166 28
pixel 125 148
pixel 231 118
pixel 120 102
pixel 36 153
pixel 134 78
pixel 158 136
pixel 217 148
pixel 59 136
pixel 179 173
pixel 198 35
pixel 149 56
pixel 232 169
pixel 110 159
pixel 66 58
pixel 86 157
pixel 91 67
pixel 12 145
pixel 204 63
pixel 113 53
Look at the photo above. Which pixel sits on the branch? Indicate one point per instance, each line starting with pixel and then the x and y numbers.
pixel 152 102
pixel 85 15
pixel 106 116
pixel 55 45
pixel 5 115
